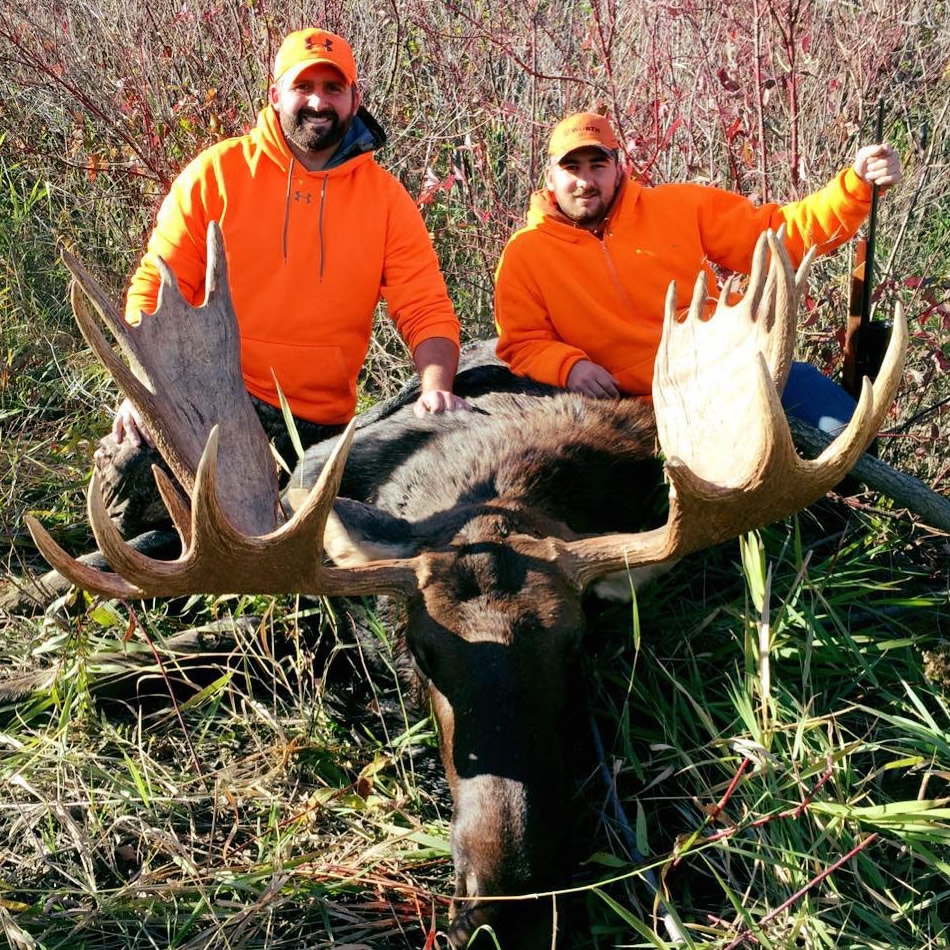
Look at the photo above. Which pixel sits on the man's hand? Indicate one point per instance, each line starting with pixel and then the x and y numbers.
pixel 878 165
pixel 440 400
pixel 436 360
pixel 128 424
pixel 593 380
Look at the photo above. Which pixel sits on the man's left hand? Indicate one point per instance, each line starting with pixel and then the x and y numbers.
pixel 878 165
pixel 440 400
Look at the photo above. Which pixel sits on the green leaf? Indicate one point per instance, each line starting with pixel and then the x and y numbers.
pixel 289 419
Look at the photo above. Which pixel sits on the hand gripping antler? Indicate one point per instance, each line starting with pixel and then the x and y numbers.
pixel 186 382
pixel 730 458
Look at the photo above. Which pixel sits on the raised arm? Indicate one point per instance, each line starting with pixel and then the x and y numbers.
pixel 825 219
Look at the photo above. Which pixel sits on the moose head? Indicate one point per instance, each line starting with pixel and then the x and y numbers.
pixel 493 565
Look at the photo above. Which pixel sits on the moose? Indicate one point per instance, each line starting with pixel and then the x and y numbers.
pixel 489 525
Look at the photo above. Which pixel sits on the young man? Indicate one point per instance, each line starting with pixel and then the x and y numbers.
pixel 580 291
pixel 315 232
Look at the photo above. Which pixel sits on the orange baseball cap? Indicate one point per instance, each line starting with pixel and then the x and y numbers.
pixel 582 130
pixel 306 47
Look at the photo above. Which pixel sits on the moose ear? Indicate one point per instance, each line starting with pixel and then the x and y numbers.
pixel 357 533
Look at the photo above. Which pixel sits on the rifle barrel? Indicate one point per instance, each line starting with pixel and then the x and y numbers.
pixel 861 357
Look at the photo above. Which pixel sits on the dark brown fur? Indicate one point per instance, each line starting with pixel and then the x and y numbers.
pixel 495 629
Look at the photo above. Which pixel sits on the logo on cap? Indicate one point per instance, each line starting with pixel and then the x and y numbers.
pixel 313 44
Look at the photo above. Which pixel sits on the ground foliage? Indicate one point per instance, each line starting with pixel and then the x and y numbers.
pixel 764 714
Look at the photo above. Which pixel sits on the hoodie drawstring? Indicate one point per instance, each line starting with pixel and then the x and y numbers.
pixel 290 184
pixel 323 200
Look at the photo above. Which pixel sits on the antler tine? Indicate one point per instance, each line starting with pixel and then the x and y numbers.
pixel 892 367
pixel 729 286
pixel 801 275
pixel 731 461
pixel 305 531
pixel 176 503
pixel 110 316
pixel 147 577
pixel 697 306
pixel 873 404
pixel 169 293
pixel 290 559
pixel 136 575
pixel 778 326
pixel 221 559
pixel 312 514
pixel 84 289
pixel 216 275
pixel 883 390
pixel 89 578
pixel 758 278
pixel 125 560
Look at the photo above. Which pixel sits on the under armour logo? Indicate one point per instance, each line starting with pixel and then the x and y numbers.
pixel 312 43
pixel 302 196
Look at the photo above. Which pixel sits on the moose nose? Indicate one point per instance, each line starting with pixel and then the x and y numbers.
pixel 525 924
pixel 466 923
pixel 502 845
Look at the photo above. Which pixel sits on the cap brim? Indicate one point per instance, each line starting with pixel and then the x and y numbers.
pixel 609 152
pixel 292 72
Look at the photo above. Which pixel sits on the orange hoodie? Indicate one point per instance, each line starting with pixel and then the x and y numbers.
pixel 309 254
pixel 563 295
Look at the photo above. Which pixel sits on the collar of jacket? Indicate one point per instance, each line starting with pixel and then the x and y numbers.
pixel 363 137
pixel 544 214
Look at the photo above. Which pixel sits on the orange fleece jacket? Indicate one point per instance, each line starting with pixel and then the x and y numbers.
pixel 563 295
pixel 309 254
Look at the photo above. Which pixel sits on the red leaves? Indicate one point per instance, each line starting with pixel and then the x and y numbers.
pixel 728 83
pixel 935 294
pixel 94 165
pixel 434 185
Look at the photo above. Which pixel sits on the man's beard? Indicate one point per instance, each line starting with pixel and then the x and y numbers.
pixel 584 215
pixel 309 139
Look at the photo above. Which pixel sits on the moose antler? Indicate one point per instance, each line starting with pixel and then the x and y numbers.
pixel 186 382
pixel 185 375
pixel 730 458
pixel 729 454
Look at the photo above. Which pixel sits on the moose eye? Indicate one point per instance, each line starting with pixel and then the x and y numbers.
pixel 465 584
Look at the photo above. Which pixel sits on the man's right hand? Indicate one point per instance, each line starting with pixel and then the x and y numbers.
pixel 592 379
pixel 879 165
pixel 128 424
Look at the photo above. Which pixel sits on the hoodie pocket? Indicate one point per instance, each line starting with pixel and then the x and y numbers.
pixel 312 376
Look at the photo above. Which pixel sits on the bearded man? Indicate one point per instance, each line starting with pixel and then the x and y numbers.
pixel 315 231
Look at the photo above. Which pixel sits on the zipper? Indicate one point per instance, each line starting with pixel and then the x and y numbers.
pixel 615 277
pixel 290 183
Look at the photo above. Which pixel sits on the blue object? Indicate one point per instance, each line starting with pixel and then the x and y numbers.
pixel 815 399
